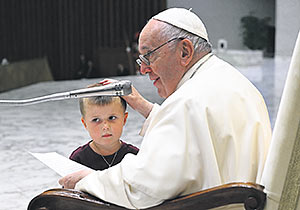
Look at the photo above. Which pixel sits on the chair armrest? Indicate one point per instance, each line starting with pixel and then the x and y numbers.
pixel 68 199
pixel 249 194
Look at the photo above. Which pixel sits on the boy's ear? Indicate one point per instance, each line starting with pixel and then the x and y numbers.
pixel 83 122
pixel 125 117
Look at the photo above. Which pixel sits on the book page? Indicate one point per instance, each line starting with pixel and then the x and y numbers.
pixel 60 164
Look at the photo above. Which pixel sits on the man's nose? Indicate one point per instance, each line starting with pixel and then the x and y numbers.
pixel 144 69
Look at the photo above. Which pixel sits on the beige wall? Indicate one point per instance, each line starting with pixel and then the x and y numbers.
pixel 222 17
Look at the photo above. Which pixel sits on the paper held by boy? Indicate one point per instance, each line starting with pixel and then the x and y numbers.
pixel 60 164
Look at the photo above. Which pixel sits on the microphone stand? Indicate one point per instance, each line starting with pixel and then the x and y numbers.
pixel 120 88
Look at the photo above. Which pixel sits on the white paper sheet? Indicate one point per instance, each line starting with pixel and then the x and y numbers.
pixel 60 164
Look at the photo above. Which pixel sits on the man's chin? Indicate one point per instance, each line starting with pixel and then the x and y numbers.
pixel 161 93
pixel 160 90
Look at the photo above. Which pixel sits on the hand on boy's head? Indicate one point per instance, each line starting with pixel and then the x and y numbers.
pixel 135 99
pixel 108 81
pixel 94 85
pixel 103 82
pixel 127 98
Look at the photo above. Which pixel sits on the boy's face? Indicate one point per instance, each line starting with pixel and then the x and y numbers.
pixel 104 122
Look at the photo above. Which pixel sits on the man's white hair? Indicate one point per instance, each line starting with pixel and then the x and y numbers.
pixel 169 32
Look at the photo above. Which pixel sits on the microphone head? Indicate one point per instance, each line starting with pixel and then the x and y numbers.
pixel 120 88
pixel 124 85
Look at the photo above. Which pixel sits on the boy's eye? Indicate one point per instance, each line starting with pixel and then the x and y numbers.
pixel 112 118
pixel 96 120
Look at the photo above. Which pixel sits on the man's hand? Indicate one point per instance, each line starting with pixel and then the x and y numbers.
pixel 135 99
pixel 70 180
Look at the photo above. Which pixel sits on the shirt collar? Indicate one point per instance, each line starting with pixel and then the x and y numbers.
pixel 190 73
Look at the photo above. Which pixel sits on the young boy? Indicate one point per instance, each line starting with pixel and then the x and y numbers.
pixel 103 117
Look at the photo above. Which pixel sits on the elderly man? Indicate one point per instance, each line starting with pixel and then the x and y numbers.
pixel 213 128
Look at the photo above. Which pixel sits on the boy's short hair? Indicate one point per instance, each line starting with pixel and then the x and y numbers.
pixel 100 100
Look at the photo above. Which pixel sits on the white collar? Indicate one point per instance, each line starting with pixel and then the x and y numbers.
pixel 190 73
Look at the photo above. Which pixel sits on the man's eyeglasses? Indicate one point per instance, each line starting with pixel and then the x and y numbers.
pixel 145 60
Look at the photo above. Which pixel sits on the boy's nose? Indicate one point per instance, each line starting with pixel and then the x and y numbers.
pixel 105 126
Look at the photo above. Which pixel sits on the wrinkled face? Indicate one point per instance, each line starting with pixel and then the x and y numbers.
pixel 164 69
pixel 104 122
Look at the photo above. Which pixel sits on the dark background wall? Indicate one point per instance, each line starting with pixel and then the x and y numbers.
pixel 62 30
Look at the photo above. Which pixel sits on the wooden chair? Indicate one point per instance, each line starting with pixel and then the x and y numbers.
pixel 248 194
pixel 280 181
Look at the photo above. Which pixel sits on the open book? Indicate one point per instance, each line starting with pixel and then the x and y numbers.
pixel 60 164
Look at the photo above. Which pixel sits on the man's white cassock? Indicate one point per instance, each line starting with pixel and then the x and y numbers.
pixel 213 129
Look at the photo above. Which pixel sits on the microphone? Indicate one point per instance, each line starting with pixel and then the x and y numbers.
pixel 120 88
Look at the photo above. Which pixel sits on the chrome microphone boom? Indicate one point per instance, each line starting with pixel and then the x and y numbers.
pixel 120 88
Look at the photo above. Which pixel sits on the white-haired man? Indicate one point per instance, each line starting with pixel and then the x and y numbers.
pixel 213 127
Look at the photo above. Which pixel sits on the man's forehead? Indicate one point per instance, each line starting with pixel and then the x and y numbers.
pixel 149 41
pixel 144 45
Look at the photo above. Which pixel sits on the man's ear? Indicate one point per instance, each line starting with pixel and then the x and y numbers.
pixel 187 52
pixel 83 122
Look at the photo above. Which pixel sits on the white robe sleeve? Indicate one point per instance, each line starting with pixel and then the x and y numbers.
pixel 153 112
